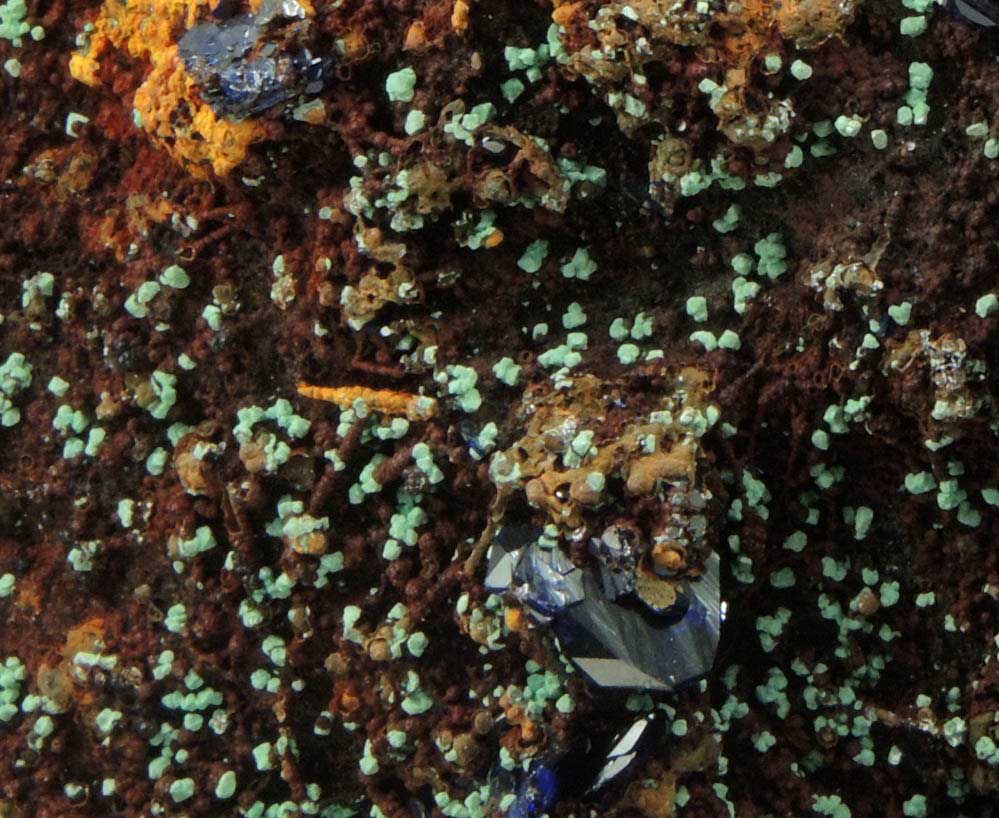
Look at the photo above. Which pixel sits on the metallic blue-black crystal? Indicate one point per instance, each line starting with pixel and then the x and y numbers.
pixel 247 64
pixel 537 793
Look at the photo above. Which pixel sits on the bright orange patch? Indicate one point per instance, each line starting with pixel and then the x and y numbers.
pixel 383 401
pixel 167 104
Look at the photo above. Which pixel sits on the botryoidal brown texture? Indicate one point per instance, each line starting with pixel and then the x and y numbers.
pixel 290 331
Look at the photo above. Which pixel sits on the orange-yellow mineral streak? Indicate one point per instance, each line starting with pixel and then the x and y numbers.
pixel 167 104
pixel 382 401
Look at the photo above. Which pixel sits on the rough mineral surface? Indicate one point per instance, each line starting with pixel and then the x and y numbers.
pixel 306 305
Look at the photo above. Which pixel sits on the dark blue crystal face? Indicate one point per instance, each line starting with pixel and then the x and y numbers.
pixel 615 639
pixel 537 794
pixel 248 64
pixel 619 645
pixel 597 766
pixel 546 580
pixel 981 12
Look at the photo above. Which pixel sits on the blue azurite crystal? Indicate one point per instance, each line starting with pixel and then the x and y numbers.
pixel 247 64
pixel 626 645
pixel 610 635
pixel 597 766
pixel 545 580
pixel 537 793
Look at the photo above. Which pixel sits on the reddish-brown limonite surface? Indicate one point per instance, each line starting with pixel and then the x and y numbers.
pixel 857 673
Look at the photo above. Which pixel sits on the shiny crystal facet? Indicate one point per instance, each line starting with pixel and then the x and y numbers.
pixel 504 553
pixel 610 635
pixel 499 574
pixel 617 556
pixel 537 793
pixel 240 72
pixel 981 12
pixel 622 753
pixel 546 580
pixel 618 645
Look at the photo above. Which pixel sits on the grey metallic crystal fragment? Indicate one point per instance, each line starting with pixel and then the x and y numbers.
pixel 245 65
pixel 504 552
pixel 617 557
pixel 546 580
pixel 613 672
pixel 499 574
pixel 209 45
